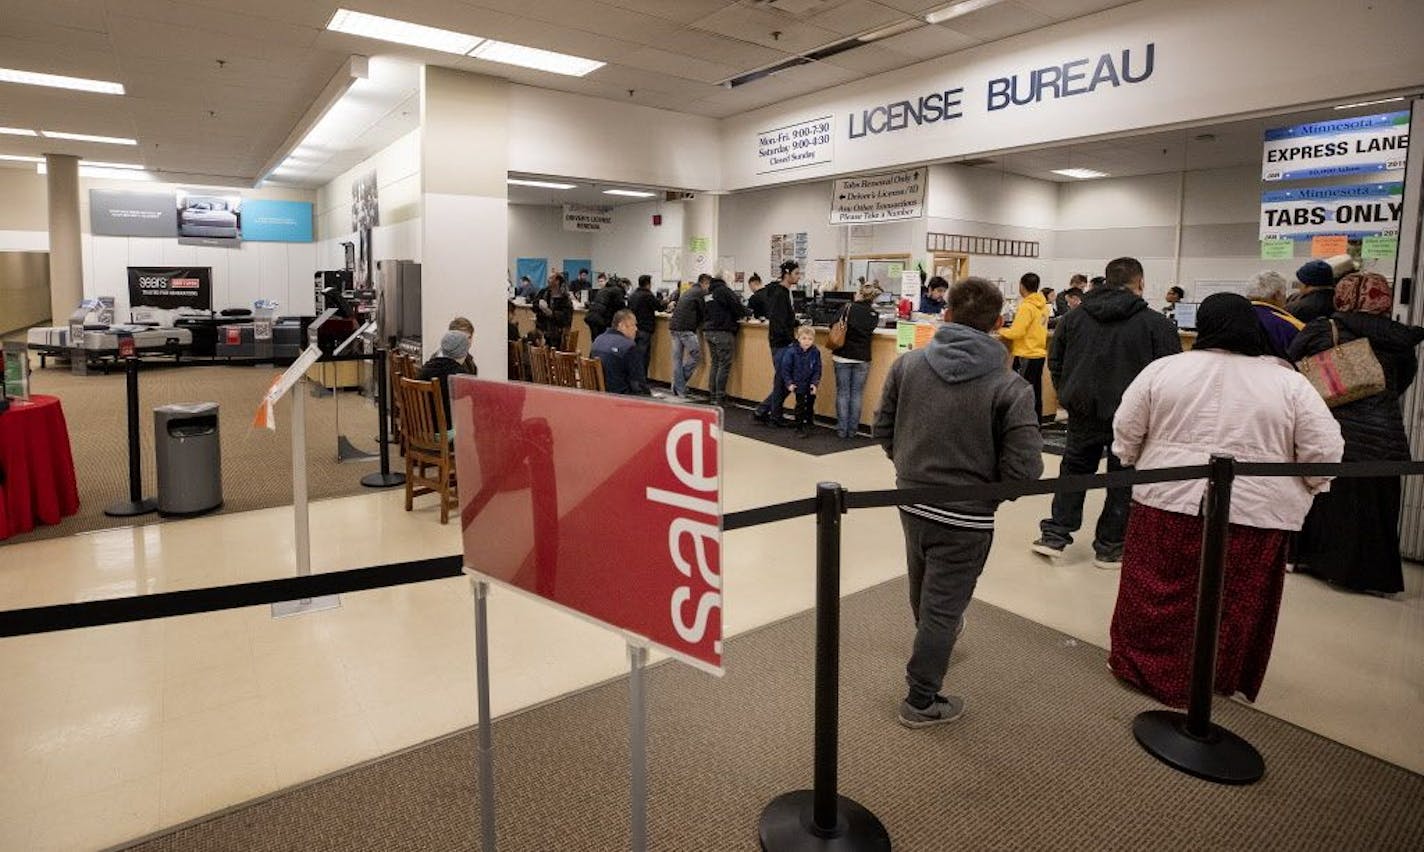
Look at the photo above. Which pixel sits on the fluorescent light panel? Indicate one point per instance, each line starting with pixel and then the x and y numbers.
pixel 463 44
pixel 1080 174
pixel 402 32
pixel 954 10
pixel 886 32
pixel 542 184
pixel 17 131
pixel 133 166
pixel 86 137
pixel 95 171
pixel 1370 103
pixel 631 193
pixel 533 57
pixel 58 81
pixel 20 158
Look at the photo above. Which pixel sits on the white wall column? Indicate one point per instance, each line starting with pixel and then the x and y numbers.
pixel 66 257
pixel 464 120
pixel 699 235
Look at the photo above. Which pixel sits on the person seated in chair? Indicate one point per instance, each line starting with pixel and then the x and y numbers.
pixel 622 360
pixel 452 359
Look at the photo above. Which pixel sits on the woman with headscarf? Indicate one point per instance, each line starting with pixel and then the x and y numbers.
pixel 1352 535
pixel 1241 401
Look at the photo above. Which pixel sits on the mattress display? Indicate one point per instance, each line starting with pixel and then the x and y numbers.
pixel 55 337
pixel 144 337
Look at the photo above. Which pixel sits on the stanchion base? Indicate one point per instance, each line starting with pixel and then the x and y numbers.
pixel 787 824
pixel 346 451
pixel 1223 757
pixel 130 509
pixel 301 607
pixel 383 480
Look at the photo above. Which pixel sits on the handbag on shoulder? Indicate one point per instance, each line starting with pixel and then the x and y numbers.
pixel 835 338
pixel 1345 372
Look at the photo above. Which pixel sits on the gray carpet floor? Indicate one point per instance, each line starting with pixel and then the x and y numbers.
pixel 256 463
pixel 1043 759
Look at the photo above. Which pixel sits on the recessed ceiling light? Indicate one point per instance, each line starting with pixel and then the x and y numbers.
pixel 97 164
pixel 89 171
pixel 543 184
pixel 1370 103
pixel 1081 174
pixel 57 81
pixel 631 193
pixel 893 29
pixel 19 158
pixel 401 32
pixel 86 137
pixel 17 131
pixel 954 10
pixel 533 57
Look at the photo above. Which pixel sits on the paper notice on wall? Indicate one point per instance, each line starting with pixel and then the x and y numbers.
pixel 672 263
pixel 825 273
pixel 910 285
pixel 888 197
pixel 584 217
pixel 904 336
pixel 860 239
pixel 1379 248
pixel 1369 143
pixel 1329 245
pixel 924 333
pixel 1277 249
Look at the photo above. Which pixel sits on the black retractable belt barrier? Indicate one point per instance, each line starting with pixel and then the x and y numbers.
pixel 1190 742
pixel 384 478
pixel 821 819
pixel 136 504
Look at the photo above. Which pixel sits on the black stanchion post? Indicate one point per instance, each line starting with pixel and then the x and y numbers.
pixel 821 819
pixel 1190 742
pixel 135 505
pixel 384 478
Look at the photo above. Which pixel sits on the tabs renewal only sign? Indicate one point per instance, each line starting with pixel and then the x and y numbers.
pixel 1357 210
pixel 887 197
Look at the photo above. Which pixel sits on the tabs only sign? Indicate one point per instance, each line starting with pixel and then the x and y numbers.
pixel 806 143
pixel 886 197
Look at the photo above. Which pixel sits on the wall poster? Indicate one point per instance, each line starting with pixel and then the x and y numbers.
pixel 365 215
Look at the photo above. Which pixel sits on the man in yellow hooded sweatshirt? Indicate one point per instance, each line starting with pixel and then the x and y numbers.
pixel 1028 339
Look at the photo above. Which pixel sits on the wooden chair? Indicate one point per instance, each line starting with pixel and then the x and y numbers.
pixel 518 367
pixel 540 369
pixel 395 371
pixel 591 374
pixel 570 341
pixel 565 369
pixel 428 446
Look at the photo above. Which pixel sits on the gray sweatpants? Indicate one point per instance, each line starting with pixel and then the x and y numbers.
pixel 945 563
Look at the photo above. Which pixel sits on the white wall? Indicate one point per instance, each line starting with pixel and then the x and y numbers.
pixel 537 230
pixel 982 203
pixel 398 237
pixel 633 246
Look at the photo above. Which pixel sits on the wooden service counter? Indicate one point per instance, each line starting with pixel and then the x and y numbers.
pixel 750 378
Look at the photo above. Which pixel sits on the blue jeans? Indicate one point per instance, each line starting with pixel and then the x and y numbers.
pixel 686 355
pixel 772 405
pixel 850 387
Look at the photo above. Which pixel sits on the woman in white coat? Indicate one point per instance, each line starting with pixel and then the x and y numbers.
pixel 1227 395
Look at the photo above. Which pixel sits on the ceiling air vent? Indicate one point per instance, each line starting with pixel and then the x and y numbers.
pixel 977 161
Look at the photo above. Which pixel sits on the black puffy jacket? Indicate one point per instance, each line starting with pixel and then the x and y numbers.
pixel 1373 427
pixel 725 310
pixel 606 303
pixel 690 311
pixel 644 305
pixel 1099 348
pixel 780 315
pixel 1317 303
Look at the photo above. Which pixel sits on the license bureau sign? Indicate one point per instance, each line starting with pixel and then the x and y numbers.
pixel 606 506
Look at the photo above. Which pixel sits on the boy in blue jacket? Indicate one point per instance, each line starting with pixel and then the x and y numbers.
pixel 799 369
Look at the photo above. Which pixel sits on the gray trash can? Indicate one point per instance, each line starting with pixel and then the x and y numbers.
pixel 185 439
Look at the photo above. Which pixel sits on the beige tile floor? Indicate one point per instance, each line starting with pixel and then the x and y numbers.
pixel 111 733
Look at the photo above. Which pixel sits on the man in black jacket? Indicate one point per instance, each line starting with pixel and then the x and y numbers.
pixel 623 369
pixel 644 305
pixel 607 302
pixel 725 313
pixel 687 319
pixel 1096 352
pixel 780 333
pixel 756 302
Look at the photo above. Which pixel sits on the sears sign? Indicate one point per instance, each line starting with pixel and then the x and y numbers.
pixel 170 288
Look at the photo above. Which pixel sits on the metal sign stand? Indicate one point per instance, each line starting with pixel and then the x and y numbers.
pixel 137 504
pixel 638 746
pixel 486 746
pixel 301 510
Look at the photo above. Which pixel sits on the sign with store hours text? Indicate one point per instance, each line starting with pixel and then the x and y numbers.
pixel 885 197
pixel 603 505
pixel 1371 143
pixel 806 143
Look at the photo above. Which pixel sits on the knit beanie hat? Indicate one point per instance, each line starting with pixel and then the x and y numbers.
pixel 455 345
pixel 1316 273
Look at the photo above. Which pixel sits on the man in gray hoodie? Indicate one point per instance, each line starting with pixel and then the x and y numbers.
pixel 953 414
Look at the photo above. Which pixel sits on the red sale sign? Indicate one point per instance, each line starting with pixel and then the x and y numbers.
pixel 608 506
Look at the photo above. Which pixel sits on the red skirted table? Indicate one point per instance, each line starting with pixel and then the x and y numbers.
pixel 37 484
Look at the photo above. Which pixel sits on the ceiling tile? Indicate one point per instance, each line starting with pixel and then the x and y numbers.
pixel 857 16
pixel 869 59
pixel 1064 10
pixel 682 11
pixel 665 62
pixel 757 26
pixel 744 55
pixel 927 42
pixel 998 21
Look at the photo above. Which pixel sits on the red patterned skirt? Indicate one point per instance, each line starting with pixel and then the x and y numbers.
pixel 1155 615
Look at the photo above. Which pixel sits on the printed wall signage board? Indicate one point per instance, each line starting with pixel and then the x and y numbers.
pixel 795 146
pixel 1346 146
pixel 587 218
pixel 628 537
pixel 887 197
pixel 1354 210
pixel 169 288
